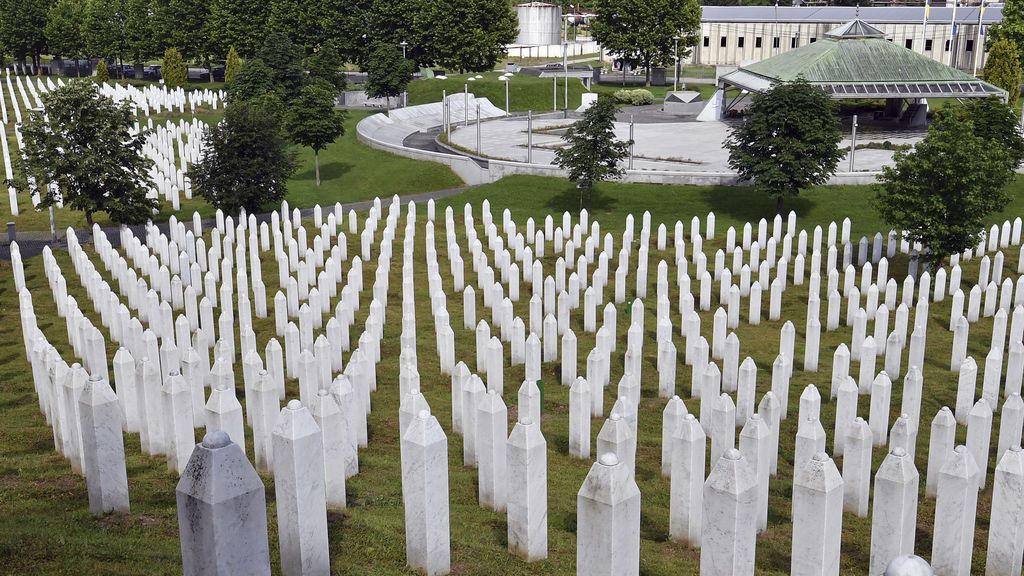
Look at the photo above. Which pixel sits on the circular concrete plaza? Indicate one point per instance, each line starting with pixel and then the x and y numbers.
pixel 686 146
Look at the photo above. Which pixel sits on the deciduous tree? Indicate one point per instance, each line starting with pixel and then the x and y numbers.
pixel 788 141
pixel 312 120
pixel 388 74
pixel 238 24
pixel 941 193
pixel 84 145
pixel 64 30
pixel 645 30
pixel 246 161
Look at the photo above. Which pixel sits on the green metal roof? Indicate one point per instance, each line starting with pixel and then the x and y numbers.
pixel 857 59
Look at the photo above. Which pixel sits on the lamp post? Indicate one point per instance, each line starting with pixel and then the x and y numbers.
pixel 675 75
pixel 506 80
pixel 565 71
pixel 405 93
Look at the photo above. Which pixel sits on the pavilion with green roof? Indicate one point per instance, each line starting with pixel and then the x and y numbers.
pixel 856 60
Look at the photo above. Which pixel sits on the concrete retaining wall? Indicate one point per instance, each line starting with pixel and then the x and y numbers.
pixel 381 132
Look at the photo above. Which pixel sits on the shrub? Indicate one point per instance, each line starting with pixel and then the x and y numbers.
pixel 174 72
pixel 102 74
pixel 638 97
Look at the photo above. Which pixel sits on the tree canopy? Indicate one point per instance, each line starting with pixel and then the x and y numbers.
pixel 388 73
pixel 644 30
pixel 1003 68
pixel 238 24
pixel 940 193
pixel 246 161
pixel 312 121
pixel 592 153
pixel 1011 27
pixel 788 141
pixel 64 29
pixel 175 72
pixel 84 146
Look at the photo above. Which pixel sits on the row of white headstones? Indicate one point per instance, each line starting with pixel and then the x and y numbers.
pixel 168 176
pixel 163 373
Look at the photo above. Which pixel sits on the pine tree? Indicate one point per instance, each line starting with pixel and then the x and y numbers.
pixel 175 72
pixel 102 74
pixel 231 66
pixel 1003 68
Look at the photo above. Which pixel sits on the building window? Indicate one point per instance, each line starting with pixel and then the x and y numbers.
pixel 707 41
pixel 757 42
pixel 927 45
pixel 740 42
pixel 722 42
pixel 970 46
pixel 947 45
pixel 909 44
pixel 813 40
pixel 775 42
pixel 792 42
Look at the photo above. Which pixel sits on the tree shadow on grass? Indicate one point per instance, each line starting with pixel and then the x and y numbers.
pixel 569 201
pixel 749 204
pixel 328 171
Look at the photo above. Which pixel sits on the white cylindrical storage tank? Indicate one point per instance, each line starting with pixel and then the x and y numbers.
pixel 540 24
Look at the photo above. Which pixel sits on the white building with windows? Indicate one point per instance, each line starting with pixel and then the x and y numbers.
pixel 736 35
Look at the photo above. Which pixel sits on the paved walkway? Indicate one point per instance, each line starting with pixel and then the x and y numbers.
pixel 31 243
pixel 667 146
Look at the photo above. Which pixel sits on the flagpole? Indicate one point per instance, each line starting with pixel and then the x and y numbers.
pixel 978 49
pixel 924 26
pixel 952 36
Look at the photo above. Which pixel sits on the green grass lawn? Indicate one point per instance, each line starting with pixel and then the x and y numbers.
pixel 45 527
pixel 535 196
pixel 525 92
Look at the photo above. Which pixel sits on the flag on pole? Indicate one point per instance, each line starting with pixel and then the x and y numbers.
pixel 927 10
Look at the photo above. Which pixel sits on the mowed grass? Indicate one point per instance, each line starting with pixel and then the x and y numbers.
pixel 525 92
pixel 536 197
pixel 349 171
pixel 45 527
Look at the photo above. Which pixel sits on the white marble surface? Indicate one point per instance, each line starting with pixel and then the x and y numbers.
pixel 223 412
pixel 857 468
pixel 1006 524
pixel 817 518
pixel 527 491
pixel 491 445
pixel 579 419
pixel 671 419
pixel 103 448
pixel 335 442
pixel 689 447
pixel 425 493
pixel 608 521
pixel 955 509
pixel 300 493
pixel 730 518
pixel 894 510
pixel 222 512
pixel 755 445
pixel 940 446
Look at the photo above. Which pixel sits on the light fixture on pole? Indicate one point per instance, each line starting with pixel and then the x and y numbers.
pixel 506 80
pixel 405 93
